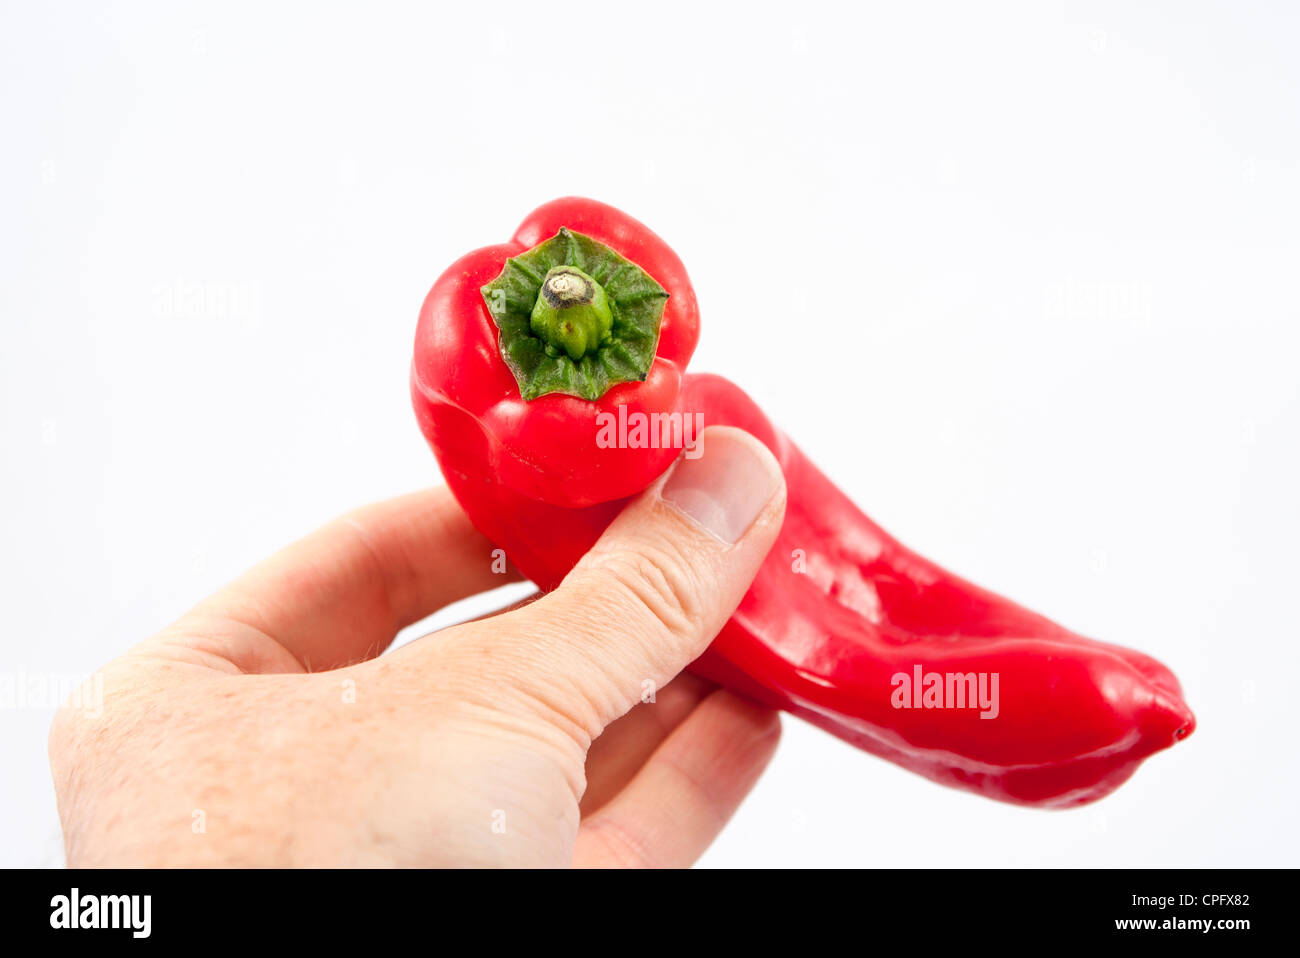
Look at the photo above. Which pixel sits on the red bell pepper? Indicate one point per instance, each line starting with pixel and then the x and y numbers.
pixel 524 352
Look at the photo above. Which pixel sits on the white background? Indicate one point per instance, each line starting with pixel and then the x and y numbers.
pixel 1022 280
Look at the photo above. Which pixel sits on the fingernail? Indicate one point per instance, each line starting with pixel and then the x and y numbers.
pixel 727 486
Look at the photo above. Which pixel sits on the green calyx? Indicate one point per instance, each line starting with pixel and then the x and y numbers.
pixel 575 317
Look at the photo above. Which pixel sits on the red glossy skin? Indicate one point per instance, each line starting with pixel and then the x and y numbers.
pixel 821 638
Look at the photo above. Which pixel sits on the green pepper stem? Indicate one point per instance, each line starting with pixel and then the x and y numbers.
pixel 572 313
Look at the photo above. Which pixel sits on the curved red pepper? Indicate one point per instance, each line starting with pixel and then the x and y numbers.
pixel 839 611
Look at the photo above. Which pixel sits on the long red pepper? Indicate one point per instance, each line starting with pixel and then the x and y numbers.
pixel 525 353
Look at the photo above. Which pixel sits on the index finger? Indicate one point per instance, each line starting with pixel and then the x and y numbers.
pixel 341 594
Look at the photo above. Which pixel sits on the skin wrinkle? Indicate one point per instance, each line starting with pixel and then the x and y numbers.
pixel 381 570
pixel 671 543
pixel 609 698
pixel 570 697
pixel 257 650
pixel 704 780
pixel 537 718
pixel 560 701
pixel 589 679
pixel 246 617
pixel 621 751
pixel 643 601
pixel 643 578
pixel 619 844
pixel 708 788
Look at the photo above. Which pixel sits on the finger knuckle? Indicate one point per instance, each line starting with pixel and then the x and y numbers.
pixel 657 582
pixel 619 847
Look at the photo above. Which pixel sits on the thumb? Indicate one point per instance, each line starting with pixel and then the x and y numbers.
pixel 655 589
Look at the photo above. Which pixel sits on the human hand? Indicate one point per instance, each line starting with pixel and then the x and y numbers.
pixel 264 728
